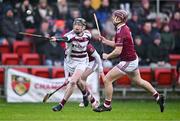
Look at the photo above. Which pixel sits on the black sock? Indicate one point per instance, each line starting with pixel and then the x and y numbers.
pixel 92 100
pixel 84 92
pixel 63 102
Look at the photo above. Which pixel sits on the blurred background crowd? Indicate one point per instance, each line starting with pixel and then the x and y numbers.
pixel 155 26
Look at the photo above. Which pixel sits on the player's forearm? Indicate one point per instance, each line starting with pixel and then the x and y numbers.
pixel 115 53
pixel 112 55
pixel 63 39
pixel 109 43
pixel 98 60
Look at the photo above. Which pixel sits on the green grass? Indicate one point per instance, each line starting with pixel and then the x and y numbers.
pixel 122 111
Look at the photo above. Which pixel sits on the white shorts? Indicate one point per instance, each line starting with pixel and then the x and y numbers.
pixel 92 65
pixel 72 65
pixel 128 66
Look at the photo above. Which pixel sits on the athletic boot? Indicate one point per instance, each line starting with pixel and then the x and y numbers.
pixel 95 104
pixel 86 99
pixel 81 104
pixel 161 102
pixel 102 108
pixel 57 108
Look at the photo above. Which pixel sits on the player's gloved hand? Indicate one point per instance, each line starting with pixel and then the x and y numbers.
pixel 105 56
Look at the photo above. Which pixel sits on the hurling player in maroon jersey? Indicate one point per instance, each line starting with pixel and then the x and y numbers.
pixel 123 49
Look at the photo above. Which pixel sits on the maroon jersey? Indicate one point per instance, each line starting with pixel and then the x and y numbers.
pixel 90 50
pixel 123 38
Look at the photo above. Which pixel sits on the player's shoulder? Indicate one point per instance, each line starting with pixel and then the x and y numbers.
pixel 90 48
pixel 124 30
pixel 87 33
pixel 69 33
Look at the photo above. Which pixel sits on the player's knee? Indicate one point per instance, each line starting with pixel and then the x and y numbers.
pixel 83 78
pixel 106 80
pixel 139 83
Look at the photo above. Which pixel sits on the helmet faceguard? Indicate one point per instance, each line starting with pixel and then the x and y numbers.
pixel 80 22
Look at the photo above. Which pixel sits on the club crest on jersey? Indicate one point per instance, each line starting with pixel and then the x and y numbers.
pixel 20 84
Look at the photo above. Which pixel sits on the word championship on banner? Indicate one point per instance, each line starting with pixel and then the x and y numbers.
pixel 24 87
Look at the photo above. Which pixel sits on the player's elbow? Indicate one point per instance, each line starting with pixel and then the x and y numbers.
pixel 117 52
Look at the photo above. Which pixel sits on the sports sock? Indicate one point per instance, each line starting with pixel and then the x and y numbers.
pixel 156 96
pixel 63 102
pixel 84 92
pixel 92 100
pixel 107 103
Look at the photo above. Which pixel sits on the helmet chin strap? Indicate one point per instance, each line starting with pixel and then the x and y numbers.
pixel 78 33
pixel 119 24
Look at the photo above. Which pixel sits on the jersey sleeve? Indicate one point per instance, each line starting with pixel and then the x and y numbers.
pixel 119 40
pixel 69 36
pixel 90 49
pixel 98 60
pixel 88 33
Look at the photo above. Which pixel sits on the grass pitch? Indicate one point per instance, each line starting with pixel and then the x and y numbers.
pixel 122 111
